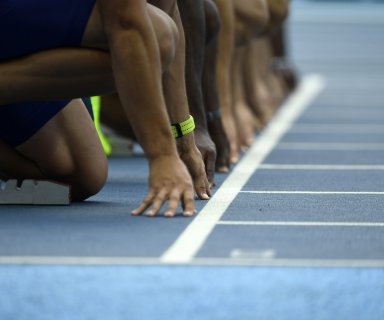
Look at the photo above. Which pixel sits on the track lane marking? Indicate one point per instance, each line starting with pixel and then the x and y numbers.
pixel 184 249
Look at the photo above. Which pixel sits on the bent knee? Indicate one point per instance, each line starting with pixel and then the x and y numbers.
pixel 89 180
pixel 86 176
pixel 83 189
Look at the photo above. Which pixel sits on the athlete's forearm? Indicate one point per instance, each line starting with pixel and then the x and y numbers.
pixel 225 53
pixel 174 77
pixel 192 14
pixel 136 64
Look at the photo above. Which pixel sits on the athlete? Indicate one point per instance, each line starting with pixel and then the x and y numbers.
pixel 198 18
pixel 69 49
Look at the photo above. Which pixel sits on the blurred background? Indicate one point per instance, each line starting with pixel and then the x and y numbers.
pixel 340 39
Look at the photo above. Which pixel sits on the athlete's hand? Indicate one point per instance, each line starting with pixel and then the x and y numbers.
pixel 219 137
pixel 208 152
pixel 192 158
pixel 169 180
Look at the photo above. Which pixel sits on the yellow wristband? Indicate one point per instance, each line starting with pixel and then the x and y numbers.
pixel 183 128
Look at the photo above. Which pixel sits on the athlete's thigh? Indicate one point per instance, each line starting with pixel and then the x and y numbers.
pixel 66 143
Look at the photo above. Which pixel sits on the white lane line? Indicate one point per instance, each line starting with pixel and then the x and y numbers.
pixel 302 224
pixel 330 146
pixel 190 241
pixel 268 166
pixel 373 193
pixel 338 128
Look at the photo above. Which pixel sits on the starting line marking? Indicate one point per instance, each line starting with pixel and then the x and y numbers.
pixel 191 240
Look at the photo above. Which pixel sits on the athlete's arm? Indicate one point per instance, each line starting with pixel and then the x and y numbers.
pixel 137 70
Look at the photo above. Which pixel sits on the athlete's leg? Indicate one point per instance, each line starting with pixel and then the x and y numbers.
pixel 168 176
pixel 55 74
pixel 65 149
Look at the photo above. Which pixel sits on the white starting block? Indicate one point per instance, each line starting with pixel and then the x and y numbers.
pixel 38 192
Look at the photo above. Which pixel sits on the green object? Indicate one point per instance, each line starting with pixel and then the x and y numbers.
pixel 96 115
pixel 183 128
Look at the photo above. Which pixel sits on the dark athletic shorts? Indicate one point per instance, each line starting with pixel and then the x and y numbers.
pixel 28 26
